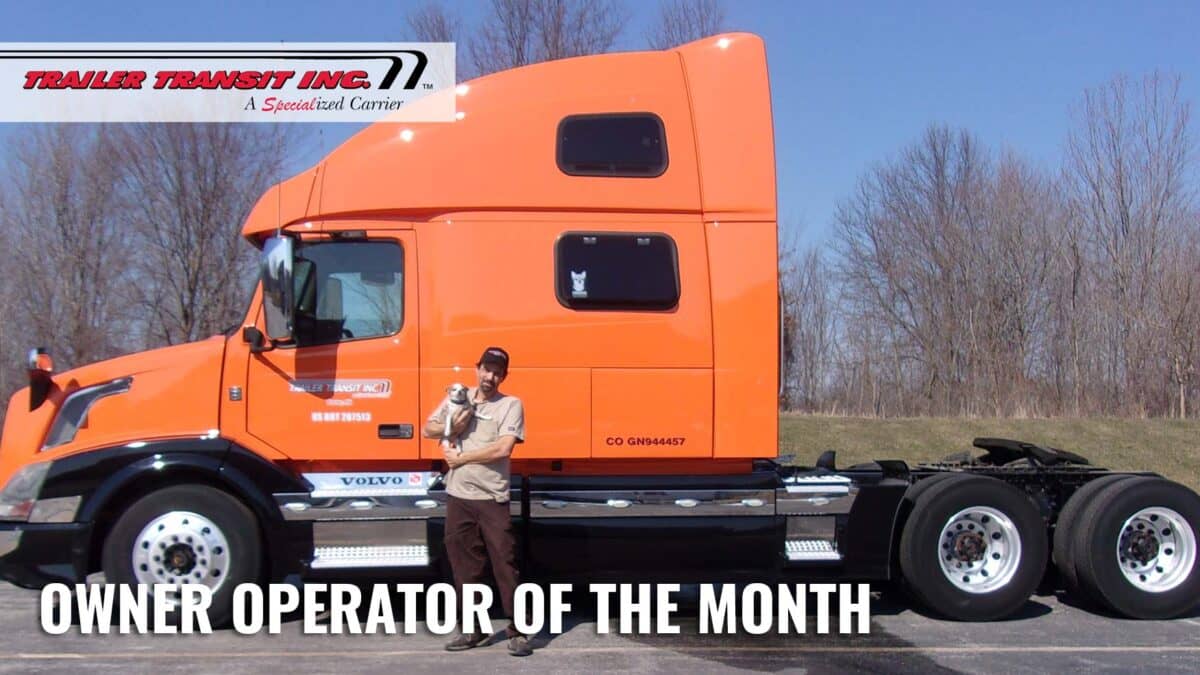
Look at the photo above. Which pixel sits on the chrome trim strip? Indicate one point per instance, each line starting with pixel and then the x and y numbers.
pixel 301 506
pixel 9 541
pixel 815 500
pixel 646 503
pixel 56 510
pixel 817 478
pixel 370 484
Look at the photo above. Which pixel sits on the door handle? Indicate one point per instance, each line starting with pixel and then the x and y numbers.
pixel 396 431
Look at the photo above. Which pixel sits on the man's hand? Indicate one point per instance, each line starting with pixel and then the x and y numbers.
pixel 461 419
pixel 452 456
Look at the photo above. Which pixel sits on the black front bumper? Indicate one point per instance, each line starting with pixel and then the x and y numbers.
pixel 35 554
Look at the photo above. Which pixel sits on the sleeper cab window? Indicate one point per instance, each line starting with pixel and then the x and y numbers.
pixel 616 271
pixel 632 145
pixel 348 290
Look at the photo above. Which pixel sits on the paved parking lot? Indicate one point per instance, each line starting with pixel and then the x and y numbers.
pixel 1049 635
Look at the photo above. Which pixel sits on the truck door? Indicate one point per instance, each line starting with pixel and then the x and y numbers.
pixel 347 389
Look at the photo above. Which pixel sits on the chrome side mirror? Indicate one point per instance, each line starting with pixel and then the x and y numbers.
pixel 39 360
pixel 279 294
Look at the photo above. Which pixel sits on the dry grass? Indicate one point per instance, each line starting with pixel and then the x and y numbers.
pixel 1168 447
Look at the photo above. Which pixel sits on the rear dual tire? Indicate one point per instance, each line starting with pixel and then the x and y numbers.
pixel 1132 542
pixel 973 548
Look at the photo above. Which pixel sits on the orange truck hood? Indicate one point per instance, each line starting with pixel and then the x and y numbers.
pixel 175 393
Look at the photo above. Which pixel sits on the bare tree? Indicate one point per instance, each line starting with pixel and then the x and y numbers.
pixel 1178 291
pixel 69 246
pixel 436 23
pixel 189 188
pixel 807 301
pixel 1129 158
pixel 520 32
pixel 682 21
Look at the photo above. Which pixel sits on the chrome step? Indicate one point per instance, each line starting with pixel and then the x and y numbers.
pixel 810 549
pixel 340 557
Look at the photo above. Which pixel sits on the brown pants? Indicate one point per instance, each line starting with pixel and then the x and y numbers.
pixel 479 531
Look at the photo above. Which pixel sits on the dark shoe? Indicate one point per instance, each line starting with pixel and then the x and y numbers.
pixel 518 645
pixel 465 641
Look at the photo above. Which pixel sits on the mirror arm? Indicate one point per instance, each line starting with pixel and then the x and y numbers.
pixel 257 341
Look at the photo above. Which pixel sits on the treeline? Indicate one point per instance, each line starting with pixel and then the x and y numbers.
pixel 125 237
pixel 962 280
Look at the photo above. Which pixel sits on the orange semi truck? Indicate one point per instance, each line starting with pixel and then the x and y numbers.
pixel 611 221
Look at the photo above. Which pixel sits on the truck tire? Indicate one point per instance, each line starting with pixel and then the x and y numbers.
pixel 1068 523
pixel 918 488
pixel 186 534
pixel 1136 549
pixel 974 548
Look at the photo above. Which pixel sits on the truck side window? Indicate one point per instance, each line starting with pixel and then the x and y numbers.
pixel 616 271
pixel 348 290
pixel 618 144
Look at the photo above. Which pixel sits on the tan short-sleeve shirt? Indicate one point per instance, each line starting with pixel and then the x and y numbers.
pixel 505 416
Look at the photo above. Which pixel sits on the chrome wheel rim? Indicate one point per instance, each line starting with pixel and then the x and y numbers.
pixel 979 549
pixel 1156 549
pixel 181 547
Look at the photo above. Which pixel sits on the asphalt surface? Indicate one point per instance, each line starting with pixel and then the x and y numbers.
pixel 1048 635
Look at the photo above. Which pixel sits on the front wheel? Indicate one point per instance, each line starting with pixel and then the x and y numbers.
pixel 186 534
pixel 974 548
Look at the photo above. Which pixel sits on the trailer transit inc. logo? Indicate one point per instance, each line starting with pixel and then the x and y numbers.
pixel 222 82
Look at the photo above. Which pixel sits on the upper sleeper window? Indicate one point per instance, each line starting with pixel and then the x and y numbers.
pixel 616 271
pixel 624 144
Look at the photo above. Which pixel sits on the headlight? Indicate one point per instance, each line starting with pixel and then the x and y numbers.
pixel 74 410
pixel 18 497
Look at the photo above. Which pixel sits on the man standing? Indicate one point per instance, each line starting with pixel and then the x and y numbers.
pixel 478 525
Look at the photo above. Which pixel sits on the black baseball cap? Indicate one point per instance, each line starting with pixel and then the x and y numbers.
pixel 494 355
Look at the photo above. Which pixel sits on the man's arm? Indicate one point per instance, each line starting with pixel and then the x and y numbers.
pixel 502 448
pixel 436 424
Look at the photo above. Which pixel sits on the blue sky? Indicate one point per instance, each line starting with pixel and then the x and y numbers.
pixel 852 82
